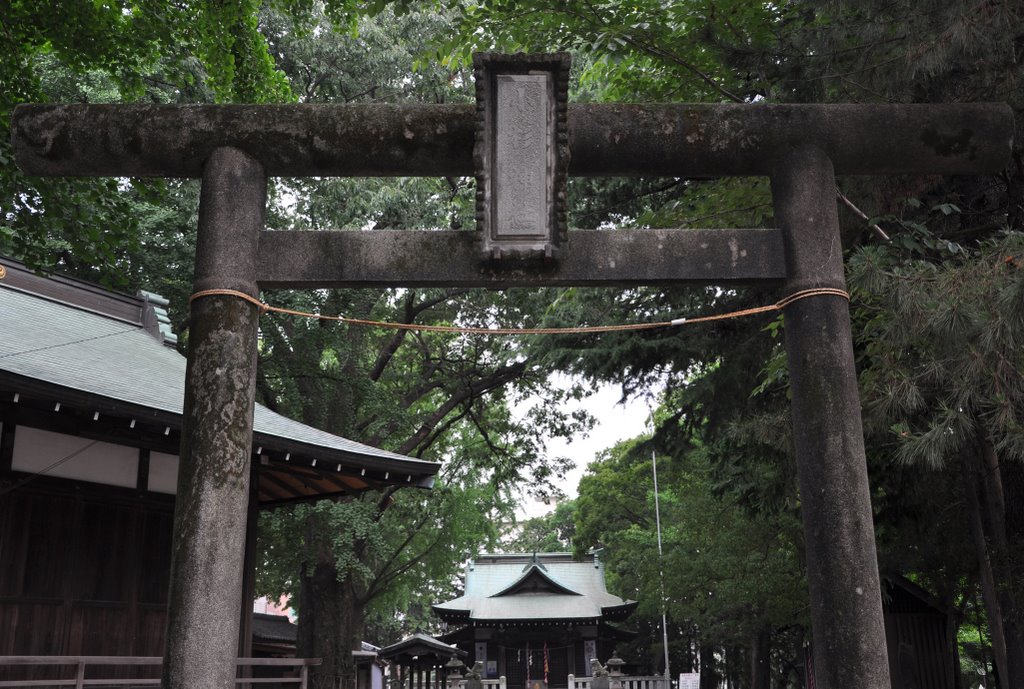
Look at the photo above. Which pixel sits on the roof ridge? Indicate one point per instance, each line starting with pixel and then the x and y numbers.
pixel 74 293
pixel 533 571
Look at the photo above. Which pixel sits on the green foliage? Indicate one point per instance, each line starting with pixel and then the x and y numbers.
pixel 643 50
pixel 936 313
pixel 724 572
pixel 111 52
pixel 942 344
pixel 554 532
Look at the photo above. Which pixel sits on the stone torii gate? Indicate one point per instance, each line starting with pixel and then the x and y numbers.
pixel 234 148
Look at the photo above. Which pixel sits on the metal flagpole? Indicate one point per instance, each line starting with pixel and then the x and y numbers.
pixel 661 568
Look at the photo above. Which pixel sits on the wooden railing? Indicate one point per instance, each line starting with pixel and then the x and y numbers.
pixel 80 663
pixel 626 682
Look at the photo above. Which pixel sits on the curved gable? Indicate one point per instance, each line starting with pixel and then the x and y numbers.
pixel 535 580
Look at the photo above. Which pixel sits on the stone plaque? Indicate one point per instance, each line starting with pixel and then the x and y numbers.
pixel 522 138
pixel 521 154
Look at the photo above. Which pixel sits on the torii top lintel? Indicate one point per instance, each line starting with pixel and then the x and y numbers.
pixel 437 140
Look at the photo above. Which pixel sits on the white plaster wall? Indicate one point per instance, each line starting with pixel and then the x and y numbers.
pixel 36 450
pixel 163 473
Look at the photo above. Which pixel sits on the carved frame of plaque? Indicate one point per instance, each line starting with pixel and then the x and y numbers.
pixel 521 154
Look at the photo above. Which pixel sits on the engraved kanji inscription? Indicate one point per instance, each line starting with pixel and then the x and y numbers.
pixel 521 151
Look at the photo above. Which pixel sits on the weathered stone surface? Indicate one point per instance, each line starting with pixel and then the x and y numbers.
pixel 213 482
pixel 521 154
pixel 522 140
pixel 729 139
pixel 842 569
pixel 437 140
pixel 595 257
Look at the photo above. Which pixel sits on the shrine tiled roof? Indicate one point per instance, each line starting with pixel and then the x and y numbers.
pixel 76 343
pixel 419 645
pixel 273 628
pixel 542 586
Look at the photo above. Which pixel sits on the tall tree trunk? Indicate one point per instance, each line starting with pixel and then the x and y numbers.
pixel 1013 485
pixel 331 611
pixel 988 586
pixel 331 617
pixel 733 667
pixel 1002 558
pixel 330 626
pixel 760 660
pixel 708 675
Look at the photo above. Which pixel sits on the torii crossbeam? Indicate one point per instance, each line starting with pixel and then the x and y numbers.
pixel 234 148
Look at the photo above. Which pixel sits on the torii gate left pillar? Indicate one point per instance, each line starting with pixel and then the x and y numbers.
pixel 235 147
pixel 212 502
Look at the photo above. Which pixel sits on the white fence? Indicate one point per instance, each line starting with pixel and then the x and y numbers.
pixel 77 664
pixel 626 682
pixel 498 683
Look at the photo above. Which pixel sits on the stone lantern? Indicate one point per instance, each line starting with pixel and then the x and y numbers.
pixel 453 671
pixel 614 666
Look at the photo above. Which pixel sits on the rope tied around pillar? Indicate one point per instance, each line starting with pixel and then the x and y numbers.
pixel 264 307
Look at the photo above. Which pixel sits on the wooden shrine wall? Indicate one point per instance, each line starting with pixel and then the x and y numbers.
pixel 85 570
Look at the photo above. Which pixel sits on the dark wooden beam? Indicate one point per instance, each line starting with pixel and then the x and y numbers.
pixel 267 505
pixel 293 469
pixel 445 258
pixel 338 483
pixel 269 477
pixel 437 140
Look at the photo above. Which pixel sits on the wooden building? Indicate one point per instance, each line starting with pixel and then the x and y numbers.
pixel 90 418
pixel 920 637
pixel 418 662
pixel 527 617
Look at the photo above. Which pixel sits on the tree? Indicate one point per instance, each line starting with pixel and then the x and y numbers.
pixel 942 379
pixel 109 52
pixel 731 579
pixel 553 532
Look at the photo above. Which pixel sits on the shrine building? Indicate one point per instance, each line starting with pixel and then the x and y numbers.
pixel 91 390
pixel 535 617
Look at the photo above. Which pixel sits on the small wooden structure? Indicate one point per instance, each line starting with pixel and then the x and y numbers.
pixel 527 617
pixel 920 636
pixel 90 423
pixel 418 662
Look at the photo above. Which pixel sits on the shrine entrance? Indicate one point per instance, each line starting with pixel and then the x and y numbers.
pixel 521 141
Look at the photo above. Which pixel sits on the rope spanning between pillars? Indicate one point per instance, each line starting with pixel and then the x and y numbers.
pixel 264 307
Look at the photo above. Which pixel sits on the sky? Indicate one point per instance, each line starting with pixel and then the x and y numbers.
pixel 614 422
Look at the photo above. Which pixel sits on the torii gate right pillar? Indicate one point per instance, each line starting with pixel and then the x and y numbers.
pixel 842 568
